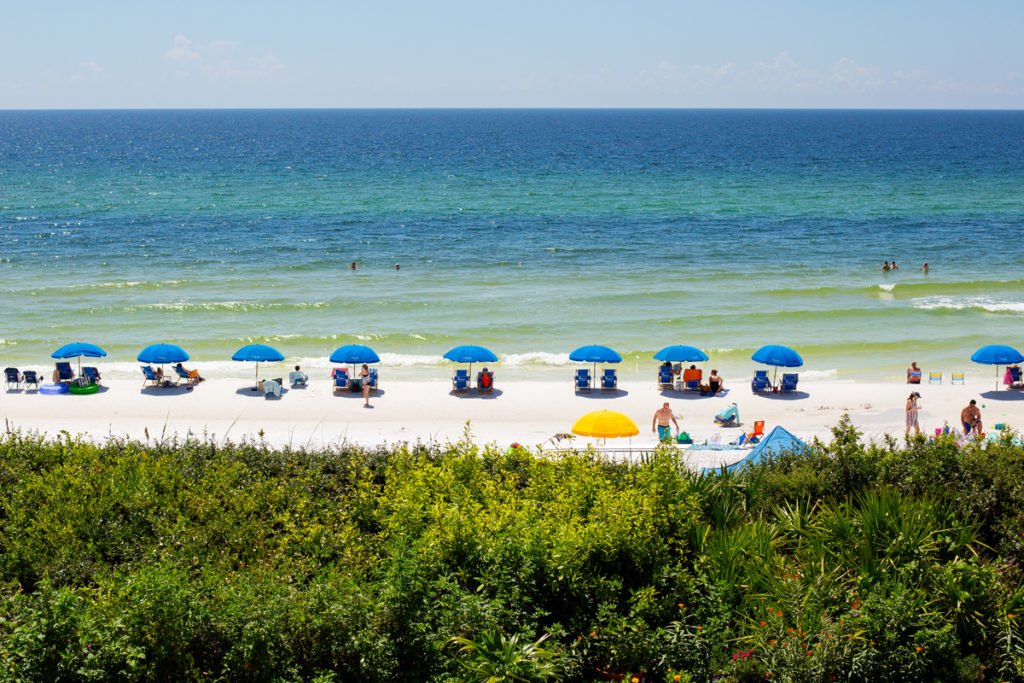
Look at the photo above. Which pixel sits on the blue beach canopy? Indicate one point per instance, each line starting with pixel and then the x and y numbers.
pixel 778 441
pixel 595 354
pixel 354 354
pixel 779 356
pixel 680 353
pixel 260 353
pixel 997 354
pixel 471 354
pixel 77 350
pixel 162 353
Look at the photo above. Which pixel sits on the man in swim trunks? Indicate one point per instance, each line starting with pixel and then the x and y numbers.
pixel 971 418
pixel 661 420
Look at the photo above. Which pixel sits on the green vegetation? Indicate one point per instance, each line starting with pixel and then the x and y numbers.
pixel 197 561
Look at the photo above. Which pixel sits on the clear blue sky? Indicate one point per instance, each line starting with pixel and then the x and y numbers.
pixel 526 53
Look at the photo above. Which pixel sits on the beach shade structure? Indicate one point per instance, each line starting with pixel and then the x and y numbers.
pixel 605 424
pixel 354 354
pixel 680 353
pixel 471 354
pixel 160 354
pixel 778 441
pixel 595 353
pixel 257 353
pixel 77 350
pixel 778 357
pixel 997 354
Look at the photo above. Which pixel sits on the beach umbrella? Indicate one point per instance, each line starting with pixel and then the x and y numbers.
pixel 680 353
pixel 777 356
pixel 77 350
pixel 595 353
pixel 354 354
pixel 162 353
pixel 997 354
pixel 258 353
pixel 605 424
pixel 471 354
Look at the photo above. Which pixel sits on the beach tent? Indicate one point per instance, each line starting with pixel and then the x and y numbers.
pixel 779 440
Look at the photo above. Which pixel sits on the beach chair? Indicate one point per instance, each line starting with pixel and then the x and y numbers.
pixel 150 376
pixel 934 378
pixel 609 380
pixel 272 387
pixel 374 379
pixel 692 378
pixel 485 382
pixel 297 378
pixel 183 375
pixel 582 380
pixel 665 378
pixel 13 379
pixel 340 377
pixel 758 430
pixel 760 381
pixel 64 372
pixel 30 377
pixel 957 378
pixel 789 381
pixel 913 376
pixel 91 375
pixel 460 382
pixel 1015 377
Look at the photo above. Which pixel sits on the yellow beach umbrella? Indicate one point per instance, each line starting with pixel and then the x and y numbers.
pixel 605 424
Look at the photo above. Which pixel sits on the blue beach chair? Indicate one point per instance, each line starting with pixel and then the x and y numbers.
pixel 609 380
pixel 91 375
pixel 30 377
pixel 460 382
pixel 373 379
pixel 582 380
pixel 789 381
pixel 13 379
pixel 64 372
pixel 760 381
pixel 340 377
pixel 150 376
pixel 665 378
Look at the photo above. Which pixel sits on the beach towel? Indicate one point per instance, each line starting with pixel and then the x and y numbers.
pixel 272 387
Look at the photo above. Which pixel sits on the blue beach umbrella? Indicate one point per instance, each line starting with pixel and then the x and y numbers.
pixel 471 354
pixel 258 353
pixel 77 350
pixel 354 354
pixel 997 354
pixel 595 353
pixel 680 353
pixel 162 353
pixel 777 356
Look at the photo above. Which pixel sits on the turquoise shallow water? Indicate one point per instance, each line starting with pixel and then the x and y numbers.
pixel 529 231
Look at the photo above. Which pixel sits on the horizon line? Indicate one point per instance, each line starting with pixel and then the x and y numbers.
pixel 510 108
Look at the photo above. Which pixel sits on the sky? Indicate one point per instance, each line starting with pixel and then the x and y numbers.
pixel 526 53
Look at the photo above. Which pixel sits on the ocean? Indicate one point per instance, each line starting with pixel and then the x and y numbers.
pixel 528 231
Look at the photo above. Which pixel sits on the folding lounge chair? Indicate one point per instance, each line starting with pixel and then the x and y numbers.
pixel 609 381
pixel 460 382
pixel 582 380
pixel 64 372
pixel 758 430
pixel 485 382
pixel 665 379
pixel 30 377
pixel 957 378
pixel 374 378
pixel 934 378
pixel 13 378
pixel 1015 378
pixel 691 379
pixel 913 376
pixel 183 375
pixel 272 387
pixel 91 375
pixel 789 382
pixel 150 376
pixel 340 376
pixel 760 381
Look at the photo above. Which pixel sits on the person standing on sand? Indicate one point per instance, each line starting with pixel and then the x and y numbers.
pixel 971 418
pixel 364 378
pixel 662 417
pixel 912 410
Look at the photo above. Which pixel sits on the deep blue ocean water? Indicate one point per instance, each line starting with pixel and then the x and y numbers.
pixel 530 231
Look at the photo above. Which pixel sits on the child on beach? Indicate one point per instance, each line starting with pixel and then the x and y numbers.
pixel 912 411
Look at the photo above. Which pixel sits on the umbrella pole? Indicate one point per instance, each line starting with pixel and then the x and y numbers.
pixel 997 377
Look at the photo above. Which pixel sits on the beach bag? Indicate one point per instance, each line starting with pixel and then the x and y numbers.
pixel 683 437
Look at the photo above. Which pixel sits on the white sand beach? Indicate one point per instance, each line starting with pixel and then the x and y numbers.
pixel 528 412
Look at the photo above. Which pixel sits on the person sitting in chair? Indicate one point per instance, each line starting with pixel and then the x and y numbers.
pixel 297 377
pixel 485 380
pixel 913 374
pixel 192 375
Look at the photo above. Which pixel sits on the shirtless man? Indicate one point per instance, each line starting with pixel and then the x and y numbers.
pixel 971 418
pixel 661 420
